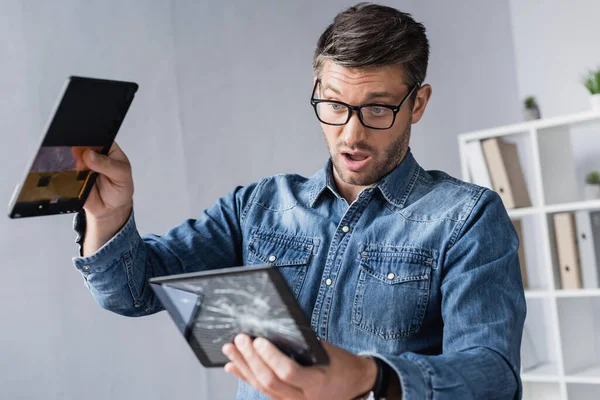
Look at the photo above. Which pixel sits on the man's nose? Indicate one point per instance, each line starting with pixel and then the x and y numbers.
pixel 354 132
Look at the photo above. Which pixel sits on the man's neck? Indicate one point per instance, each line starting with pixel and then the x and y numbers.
pixel 348 191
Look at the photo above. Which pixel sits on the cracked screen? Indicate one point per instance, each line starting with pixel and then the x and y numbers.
pixel 57 173
pixel 215 309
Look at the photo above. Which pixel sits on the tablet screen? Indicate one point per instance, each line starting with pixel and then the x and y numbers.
pixel 87 114
pixel 57 173
pixel 226 305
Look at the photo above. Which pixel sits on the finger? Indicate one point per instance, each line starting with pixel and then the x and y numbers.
pixel 266 378
pixel 232 369
pixel 93 198
pixel 239 363
pixel 286 369
pixel 113 169
pixel 77 153
pixel 117 153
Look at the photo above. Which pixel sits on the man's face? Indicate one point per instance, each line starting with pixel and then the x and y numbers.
pixel 360 155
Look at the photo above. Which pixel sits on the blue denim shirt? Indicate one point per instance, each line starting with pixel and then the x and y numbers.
pixel 421 271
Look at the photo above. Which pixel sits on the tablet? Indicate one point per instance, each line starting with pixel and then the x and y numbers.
pixel 211 308
pixel 88 113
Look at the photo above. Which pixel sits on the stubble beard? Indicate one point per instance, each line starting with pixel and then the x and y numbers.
pixel 393 155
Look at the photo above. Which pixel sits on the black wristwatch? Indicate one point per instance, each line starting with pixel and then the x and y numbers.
pixel 382 382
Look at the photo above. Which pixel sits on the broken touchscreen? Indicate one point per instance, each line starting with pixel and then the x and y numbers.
pixel 87 114
pixel 211 308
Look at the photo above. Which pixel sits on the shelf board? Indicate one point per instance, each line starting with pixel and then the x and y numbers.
pixel 540 293
pixel 536 293
pixel 524 127
pixel 522 212
pixel 588 375
pixel 578 293
pixel 541 373
pixel 577 206
pixel 555 208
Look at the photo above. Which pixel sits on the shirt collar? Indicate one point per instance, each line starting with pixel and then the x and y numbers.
pixel 395 186
pixel 322 180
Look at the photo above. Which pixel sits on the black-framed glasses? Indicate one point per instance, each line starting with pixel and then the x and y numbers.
pixel 373 116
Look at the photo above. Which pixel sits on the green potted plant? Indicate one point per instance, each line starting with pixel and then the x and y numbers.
pixel 592 186
pixel 592 83
pixel 532 111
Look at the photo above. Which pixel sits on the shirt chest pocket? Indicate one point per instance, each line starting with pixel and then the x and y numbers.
pixel 392 291
pixel 291 254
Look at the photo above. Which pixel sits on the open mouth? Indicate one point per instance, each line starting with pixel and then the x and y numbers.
pixel 355 161
pixel 355 157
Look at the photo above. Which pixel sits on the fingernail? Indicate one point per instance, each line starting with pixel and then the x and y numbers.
pixel 92 155
pixel 260 343
pixel 240 340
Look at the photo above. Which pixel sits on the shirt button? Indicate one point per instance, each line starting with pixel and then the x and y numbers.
pixel 391 276
pixel 86 267
pixel 328 282
pixel 346 229
pixel 272 258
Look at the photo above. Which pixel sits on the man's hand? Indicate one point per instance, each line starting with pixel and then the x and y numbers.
pixel 263 366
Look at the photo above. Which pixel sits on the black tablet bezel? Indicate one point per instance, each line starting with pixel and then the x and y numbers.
pixel 47 207
pixel 316 349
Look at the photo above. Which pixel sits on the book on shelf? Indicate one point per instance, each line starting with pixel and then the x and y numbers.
pixel 476 164
pixel 568 254
pixel 506 174
pixel 518 228
pixel 588 235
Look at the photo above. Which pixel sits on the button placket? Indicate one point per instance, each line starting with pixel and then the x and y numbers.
pixel 320 316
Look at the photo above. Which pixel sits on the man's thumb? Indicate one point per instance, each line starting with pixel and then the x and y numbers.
pixel 93 160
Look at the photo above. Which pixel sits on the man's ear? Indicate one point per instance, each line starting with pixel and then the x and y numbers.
pixel 420 103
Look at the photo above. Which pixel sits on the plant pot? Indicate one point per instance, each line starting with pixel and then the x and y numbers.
pixel 531 113
pixel 591 192
pixel 595 100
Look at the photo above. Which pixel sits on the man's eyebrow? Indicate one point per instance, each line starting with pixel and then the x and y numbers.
pixel 376 95
pixel 371 96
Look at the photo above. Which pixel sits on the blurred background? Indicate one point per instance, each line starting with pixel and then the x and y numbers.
pixel 223 101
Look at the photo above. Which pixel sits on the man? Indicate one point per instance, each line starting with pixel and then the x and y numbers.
pixel 410 278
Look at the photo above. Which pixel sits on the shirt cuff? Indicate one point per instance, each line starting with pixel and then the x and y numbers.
pixel 414 377
pixel 123 241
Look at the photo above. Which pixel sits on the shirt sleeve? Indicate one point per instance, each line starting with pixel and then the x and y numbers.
pixel 483 309
pixel 117 274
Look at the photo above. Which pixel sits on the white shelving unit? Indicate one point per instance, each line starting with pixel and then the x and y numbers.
pixel 564 325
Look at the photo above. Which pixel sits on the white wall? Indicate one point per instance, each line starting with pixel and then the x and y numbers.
pixel 556 43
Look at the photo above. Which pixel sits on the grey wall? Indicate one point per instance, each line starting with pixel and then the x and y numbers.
pixel 473 75
pixel 223 100
pixel 55 342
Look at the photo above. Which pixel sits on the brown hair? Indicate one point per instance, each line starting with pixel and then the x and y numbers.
pixel 372 35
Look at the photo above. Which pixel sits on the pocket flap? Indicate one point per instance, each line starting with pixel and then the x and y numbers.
pixel 392 265
pixel 279 250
